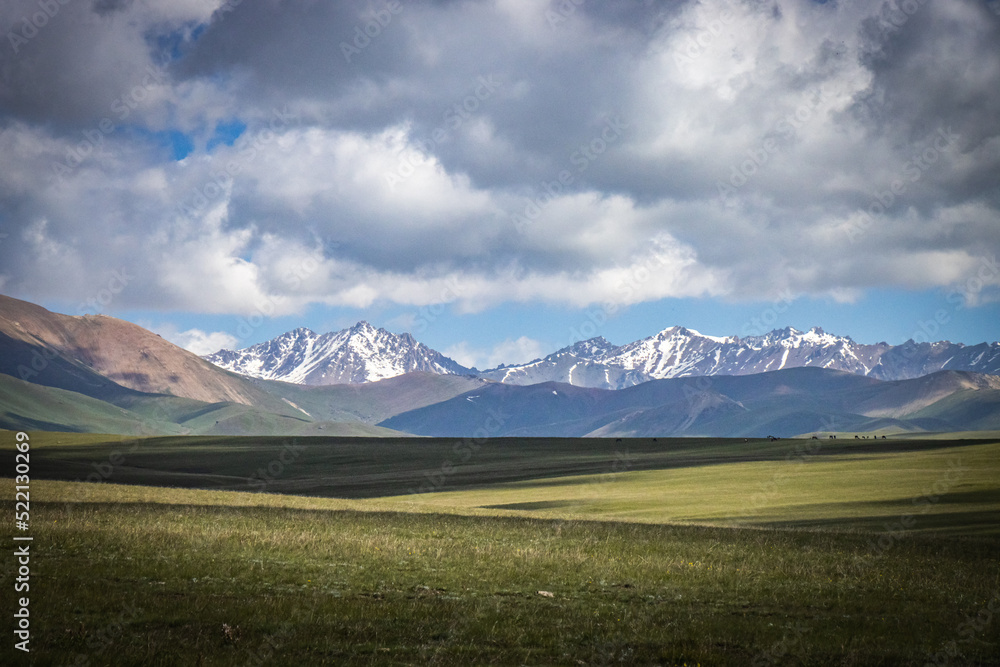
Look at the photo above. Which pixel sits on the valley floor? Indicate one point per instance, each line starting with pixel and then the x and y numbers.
pixel 777 553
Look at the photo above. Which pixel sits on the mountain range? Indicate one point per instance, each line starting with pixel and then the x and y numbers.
pixel 364 354
pixel 99 374
pixel 780 403
pixel 359 354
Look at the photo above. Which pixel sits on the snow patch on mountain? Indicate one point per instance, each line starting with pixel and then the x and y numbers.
pixel 359 354
pixel 366 354
pixel 682 352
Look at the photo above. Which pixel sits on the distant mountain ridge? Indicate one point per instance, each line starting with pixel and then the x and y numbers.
pixel 365 354
pixel 352 356
pixel 680 352
pixel 99 374
pixel 784 403
pixel 103 375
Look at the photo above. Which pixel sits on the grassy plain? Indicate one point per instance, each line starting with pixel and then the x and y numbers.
pixel 952 490
pixel 689 552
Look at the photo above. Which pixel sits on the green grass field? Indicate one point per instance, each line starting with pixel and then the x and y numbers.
pixel 537 552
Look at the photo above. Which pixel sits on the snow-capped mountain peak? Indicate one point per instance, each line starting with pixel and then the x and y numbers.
pixel 678 333
pixel 363 353
pixel 592 348
pixel 360 353
pixel 680 352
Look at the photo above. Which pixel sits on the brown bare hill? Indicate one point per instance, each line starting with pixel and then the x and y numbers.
pixel 126 354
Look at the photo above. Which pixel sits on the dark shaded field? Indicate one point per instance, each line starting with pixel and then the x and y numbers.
pixel 373 467
pixel 500 565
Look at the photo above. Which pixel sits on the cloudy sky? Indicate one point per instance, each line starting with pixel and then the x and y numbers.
pixel 502 177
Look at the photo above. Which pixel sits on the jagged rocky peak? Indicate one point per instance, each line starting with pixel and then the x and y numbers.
pixel 592 348
pixel 360 353
pixel 363 327
pixel 363 353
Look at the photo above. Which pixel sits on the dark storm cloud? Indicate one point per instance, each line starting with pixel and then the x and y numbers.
pixel 533 150
pixel 555 89
pixel 938 69
pixel 66 64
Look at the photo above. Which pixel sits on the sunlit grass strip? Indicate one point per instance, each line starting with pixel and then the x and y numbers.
pixel 135 575
pixel 831 491
pixel 862 492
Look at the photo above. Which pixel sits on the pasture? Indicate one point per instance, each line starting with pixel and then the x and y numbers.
pixel 535 552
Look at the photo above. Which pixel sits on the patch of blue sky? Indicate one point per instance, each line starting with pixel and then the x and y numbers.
pixel 889 315
pixel 174 144
pixel 170 45
pixel 179 144
pixel 226 132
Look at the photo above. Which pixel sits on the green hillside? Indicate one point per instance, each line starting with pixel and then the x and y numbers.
pixel 24 405
pixel 33 407
pixel 783 403
pixel 979 409
pixel 373 402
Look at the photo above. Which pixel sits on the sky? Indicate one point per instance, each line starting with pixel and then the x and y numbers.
pixel 502 178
